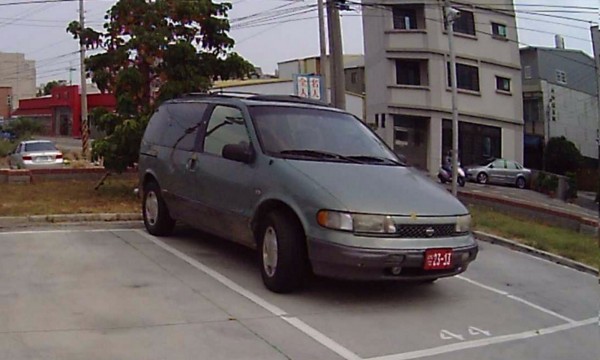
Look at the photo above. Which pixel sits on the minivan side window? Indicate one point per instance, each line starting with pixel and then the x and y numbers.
pixel 176 125
pixel 226 126
pixel 186 119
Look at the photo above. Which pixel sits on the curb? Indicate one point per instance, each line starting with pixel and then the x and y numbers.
pixel 531 206
pixel 65 218
pixel 511 244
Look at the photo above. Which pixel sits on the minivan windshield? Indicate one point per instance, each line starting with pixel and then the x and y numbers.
pixel 316 134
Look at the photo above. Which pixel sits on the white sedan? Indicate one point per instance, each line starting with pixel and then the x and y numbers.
pixel 34 154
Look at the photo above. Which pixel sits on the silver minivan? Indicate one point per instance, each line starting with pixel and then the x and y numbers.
pixel 312 188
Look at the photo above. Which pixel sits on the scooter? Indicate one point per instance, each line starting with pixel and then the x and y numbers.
pixel 446 176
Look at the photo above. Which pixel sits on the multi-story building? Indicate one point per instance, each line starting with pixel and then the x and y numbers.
pixel 560 98
pixel 5 102
pixel 19 74
pixel 407 79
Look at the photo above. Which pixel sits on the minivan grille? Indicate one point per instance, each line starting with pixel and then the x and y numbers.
pixel 426 231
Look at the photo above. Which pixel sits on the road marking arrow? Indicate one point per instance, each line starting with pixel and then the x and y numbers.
pixel 476 331
pixel 447 335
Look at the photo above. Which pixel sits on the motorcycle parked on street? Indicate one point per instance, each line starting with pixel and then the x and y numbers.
pixel 445 176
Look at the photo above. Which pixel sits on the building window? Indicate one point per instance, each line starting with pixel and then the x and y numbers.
pixel 467 77
pixel 400 136
pixel 409 17
pixel 476 143
pixel 502 83
pixel 561 77
pixel 353 77
pixel 465 23
pixel 532 110
pixel 411 72
pixel 527 71
pixel 499 30
pixel 408 72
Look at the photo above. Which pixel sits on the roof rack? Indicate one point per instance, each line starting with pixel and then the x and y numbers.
pixel 237 94
pixel 257 97
pixel 287 98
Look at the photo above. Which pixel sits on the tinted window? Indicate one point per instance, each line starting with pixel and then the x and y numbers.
pixel 176 125
pixel 39 146
pixel 226 126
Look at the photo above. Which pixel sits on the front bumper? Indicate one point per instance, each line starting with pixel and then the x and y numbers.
pixel 353 263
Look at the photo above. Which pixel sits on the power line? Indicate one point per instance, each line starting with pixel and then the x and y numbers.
pixel 30 2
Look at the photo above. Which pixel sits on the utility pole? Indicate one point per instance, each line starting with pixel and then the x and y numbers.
pixel 323 47
pixel 336 57
pixel 451 15
pixel 85 132
pixel 595 30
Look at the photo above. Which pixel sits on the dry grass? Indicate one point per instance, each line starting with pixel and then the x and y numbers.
pixel 69 197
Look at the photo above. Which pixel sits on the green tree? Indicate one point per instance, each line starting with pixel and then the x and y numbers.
pixel 51 85
pixel 562 156
pixel 23 128
pixel 154 51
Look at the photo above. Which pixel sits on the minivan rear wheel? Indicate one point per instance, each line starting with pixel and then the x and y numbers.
pixel 282 249
pixel 156 215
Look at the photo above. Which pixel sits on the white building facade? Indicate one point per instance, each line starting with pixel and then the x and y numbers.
pixel 560 98
pixel 408 94
pixel 19 74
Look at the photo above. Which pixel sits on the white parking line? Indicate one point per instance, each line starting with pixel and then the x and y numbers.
pixel 65 231
pixel 273 309
pixel 485 342
pixel 516 298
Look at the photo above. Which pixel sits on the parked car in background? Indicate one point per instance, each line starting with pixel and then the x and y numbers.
pixel 500 171
pixel 310 187
pixel 35 154
pixel 7 135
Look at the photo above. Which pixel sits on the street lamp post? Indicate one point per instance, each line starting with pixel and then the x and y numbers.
pixel 451 15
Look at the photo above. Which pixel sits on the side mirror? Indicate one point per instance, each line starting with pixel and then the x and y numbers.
pixel 238 152
pixel 491 166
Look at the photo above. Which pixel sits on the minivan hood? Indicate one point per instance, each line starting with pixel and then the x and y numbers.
pixel 379 189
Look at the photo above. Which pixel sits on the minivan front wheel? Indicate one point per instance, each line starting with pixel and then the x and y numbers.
pixel 282 250
pixel 156 215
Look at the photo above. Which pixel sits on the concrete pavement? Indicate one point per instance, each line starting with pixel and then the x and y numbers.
pixel 99 293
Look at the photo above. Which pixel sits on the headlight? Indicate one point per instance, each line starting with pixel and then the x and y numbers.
pixel 463 224
pixel 356 222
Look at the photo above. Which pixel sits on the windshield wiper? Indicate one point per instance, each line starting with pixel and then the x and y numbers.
pixel 321 155
pixel 376 159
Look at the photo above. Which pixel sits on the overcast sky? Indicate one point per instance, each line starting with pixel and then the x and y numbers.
pixel 38 30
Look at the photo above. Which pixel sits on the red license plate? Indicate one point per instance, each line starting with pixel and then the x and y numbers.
pixel 436 259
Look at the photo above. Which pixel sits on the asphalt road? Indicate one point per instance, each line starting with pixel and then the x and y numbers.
pixel 99 293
